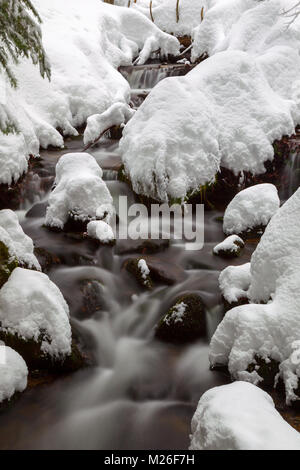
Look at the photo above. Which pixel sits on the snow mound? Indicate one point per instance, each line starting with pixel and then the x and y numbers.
pixel 101 231
pixel 250 208
pixel 267 330
pixel 19 245
pixel 79 191
pixel 13 157
pixel 13 373
pixel 85 43
pixel 231 244
pixel 227 112
pixel 32 306
pixel 234 282
pixel 165 17
pixel 240 416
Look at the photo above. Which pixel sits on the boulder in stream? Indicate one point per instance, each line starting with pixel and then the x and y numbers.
pixel 185 321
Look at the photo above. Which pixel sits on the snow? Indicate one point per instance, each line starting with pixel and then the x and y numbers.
pixel 240 416
pixel 252 207
pixel 85 43
pixel 233 244
pixel 101 231
pixel 31 306
pixel 13 373
pixel 164 14
pixel 13 157
pixel 144 270
pixel 226 112
pixel 118 114
pixel 79 189
pixel 177 315
pixel 270 327
pixel 234 282
pixel 19 245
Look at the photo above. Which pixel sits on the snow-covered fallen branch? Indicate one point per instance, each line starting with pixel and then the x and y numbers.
pixel 98 124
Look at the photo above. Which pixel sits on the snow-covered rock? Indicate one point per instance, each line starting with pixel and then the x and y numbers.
pixel 229 247
pixel 251 208
pixel 101 231
pixel 165 17
pixel 240 416
pixel 226 112
pixel 19 245
pixel 267 331
pixel 85 43
pixel 13 373
pixel 33 308
pixel 234 282
pixel 144 270
pixel 79 192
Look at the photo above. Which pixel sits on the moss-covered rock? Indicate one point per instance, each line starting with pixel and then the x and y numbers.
pixel 185 321
pixel 7 264
pixel 31 352
pixel 93 298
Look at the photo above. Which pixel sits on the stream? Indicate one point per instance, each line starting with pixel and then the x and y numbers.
pixel 142 393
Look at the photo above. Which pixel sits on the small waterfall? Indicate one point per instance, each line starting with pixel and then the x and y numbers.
pixel 291 177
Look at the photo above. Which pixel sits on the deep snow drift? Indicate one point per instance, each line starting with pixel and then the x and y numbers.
pixel 31 306
pixel 240 416
pixel 226 112
pixel 165 16
pixel 79 192
pixel 85 42
pixel 269 327
pixel 19 245
pixel 251 208
pixel 13 373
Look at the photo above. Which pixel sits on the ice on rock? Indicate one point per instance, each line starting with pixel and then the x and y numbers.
pixel 100 231
pixel 227 112
pixel 13 373
pixel 234 282
pixel 250 208
pixel 269 328
pixel 79 191
pixel 240 416
pixel 19 245
pixel 32 306
pixel 85 43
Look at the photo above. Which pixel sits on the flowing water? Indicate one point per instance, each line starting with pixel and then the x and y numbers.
pixel 141 393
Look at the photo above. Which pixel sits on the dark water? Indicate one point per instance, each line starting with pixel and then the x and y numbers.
pixel 141 394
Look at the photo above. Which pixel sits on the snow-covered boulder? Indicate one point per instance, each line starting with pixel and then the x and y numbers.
pixel 34 318
pixel 251 208
pixel 227 112
pixel 230 247
pixel 101 231
pixel 253 336
pixel 79 193
pixel 85 43
pixel 13 373
pixel 240 416
pixel 19 245
pixel 138 268
pixel 16 248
